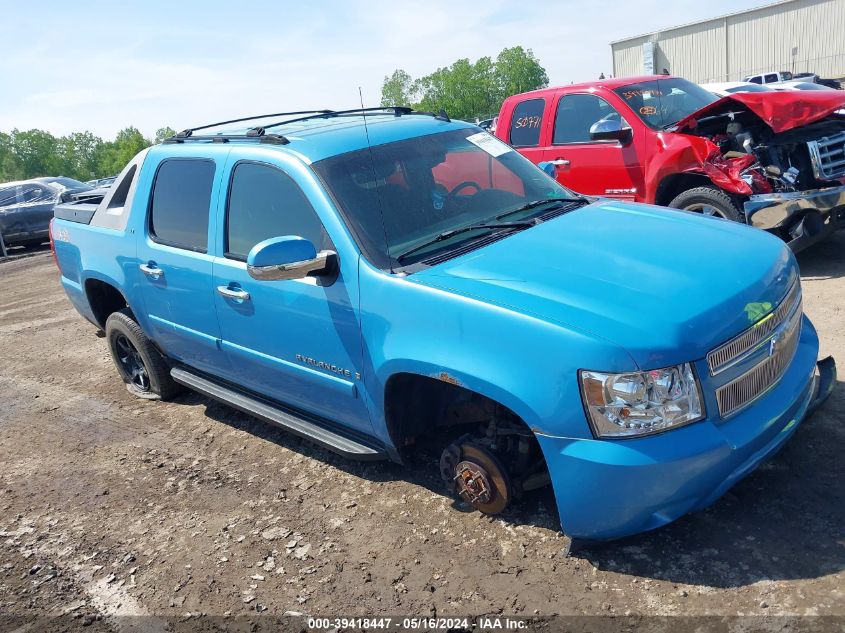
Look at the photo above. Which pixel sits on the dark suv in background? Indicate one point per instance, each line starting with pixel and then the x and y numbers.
pixel 26 206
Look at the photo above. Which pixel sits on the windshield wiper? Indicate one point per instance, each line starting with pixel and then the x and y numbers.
pixel 538 203
pixel 445 235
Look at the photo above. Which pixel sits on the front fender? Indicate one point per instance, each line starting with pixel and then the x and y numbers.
pixel 522 362
pixel 672 153
pixel 453 372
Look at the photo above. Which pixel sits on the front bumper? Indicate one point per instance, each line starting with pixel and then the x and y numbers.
pixel 607 489
pixel 802 217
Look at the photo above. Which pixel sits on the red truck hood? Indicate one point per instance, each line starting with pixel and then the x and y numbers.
pixel 781 111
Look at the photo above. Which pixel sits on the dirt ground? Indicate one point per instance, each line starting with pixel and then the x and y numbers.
pixel 113 506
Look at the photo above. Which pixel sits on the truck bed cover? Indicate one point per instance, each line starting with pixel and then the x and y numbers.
pixel 80 212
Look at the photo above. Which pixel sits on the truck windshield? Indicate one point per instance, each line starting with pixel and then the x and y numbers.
pixel 411 199
pixel 663 102
pixel 749 88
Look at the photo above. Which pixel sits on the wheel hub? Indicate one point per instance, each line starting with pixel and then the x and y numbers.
pixel 705 209
pixel 132 363
pixel 476 476
pixel 472 483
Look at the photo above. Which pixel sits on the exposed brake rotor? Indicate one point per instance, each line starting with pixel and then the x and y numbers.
pixel 477 476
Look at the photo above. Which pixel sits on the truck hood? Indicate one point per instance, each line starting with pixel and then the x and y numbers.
pixel 781 111
pixel 667 286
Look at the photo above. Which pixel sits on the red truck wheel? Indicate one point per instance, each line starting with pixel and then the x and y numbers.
pixel 708 201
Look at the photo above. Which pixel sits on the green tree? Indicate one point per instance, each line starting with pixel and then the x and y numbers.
pixel 35 151
pixel 80 155
pixel 433 90
pixel 397 89
pixel 10 167
pixel 466 90
pixel 163 133
pixel 77 155
pixel 518 71
pixel 113 156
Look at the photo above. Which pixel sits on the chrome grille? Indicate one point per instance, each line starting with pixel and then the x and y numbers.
pixel 733 351
pixel 828 155
pixel 757 380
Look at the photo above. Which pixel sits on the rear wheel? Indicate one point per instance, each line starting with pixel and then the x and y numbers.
pixel 138 362
pixel 708 201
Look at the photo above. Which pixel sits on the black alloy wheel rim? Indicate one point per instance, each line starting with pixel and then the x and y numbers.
pixel 131 363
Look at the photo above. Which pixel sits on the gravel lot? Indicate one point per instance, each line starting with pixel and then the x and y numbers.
pixel 111 505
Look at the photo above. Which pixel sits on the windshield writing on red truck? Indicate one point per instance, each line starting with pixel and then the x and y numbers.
pixel 662 102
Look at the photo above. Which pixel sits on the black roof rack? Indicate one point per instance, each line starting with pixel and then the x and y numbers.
pixel 191 130
pixel 188 133
pixel 273 139
pixel 260 132
pixel 325 114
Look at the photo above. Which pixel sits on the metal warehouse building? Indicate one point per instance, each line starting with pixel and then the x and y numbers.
pixel 794 35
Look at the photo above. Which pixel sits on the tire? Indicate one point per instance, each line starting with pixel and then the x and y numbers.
pixel 138 362
pixel 708 201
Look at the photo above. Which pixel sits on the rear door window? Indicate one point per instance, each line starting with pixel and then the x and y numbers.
pixel 180 201
pixel 771 78
pixel 265 202
pixel 526 122
pixel 32 194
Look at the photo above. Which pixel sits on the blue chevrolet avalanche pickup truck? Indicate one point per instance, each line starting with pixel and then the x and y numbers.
pixel 369 279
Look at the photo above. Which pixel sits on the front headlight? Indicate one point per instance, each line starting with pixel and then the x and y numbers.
pixel 639 403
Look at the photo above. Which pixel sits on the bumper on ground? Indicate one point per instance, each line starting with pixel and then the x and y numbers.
pixel 610 489
pixel 802 217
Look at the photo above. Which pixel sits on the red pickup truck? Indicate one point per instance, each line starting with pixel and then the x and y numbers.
pixel 773 160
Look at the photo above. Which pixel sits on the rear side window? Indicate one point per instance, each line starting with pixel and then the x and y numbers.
pixel 525 123
pixel 118 199
pixel 180 203
pixel 265 202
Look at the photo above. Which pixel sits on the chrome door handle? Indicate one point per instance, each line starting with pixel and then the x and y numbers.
pixel 560 162
pixel 233 293
pixel 151 270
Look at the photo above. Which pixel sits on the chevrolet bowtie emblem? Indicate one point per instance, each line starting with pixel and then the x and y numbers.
pixel 773 344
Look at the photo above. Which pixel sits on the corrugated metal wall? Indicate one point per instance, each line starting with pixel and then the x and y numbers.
pixel 732 47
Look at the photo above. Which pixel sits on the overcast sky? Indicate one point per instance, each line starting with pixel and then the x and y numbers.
pixel 102 66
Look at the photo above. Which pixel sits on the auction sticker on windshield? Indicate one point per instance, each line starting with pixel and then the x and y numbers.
pixel 489 144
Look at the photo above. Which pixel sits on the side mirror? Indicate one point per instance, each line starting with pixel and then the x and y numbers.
pixel 287 257
pixel 610 130
pixel 548 167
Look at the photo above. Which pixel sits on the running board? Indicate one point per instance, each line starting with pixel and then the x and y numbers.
pixel 287 420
